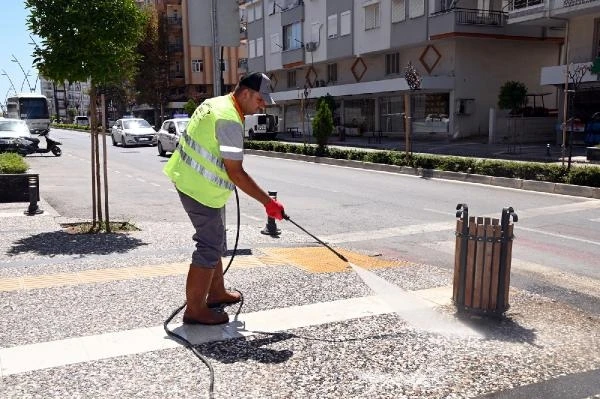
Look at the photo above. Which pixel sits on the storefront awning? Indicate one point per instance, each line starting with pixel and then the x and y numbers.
pixel 434 83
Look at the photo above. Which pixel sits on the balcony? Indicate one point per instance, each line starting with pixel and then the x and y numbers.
pixel 243 30
pixel 467 20
pixel 175 47
pixel 555 75
pixel 174 21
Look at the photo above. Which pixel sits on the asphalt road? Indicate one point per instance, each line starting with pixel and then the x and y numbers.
pixel 393 215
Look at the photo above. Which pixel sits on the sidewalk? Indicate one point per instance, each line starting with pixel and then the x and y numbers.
pixel 82 317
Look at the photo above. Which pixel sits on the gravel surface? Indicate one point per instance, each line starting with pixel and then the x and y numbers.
pixel 374 357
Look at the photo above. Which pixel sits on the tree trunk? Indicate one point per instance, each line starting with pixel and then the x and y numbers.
pixel 105 163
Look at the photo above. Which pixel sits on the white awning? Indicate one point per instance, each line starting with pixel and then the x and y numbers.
pixel 441 83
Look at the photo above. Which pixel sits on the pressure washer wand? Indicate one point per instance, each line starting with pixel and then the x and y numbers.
pixel 339 255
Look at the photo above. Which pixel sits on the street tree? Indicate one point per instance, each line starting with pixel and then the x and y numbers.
pixel 83 40
pixel 152 78
pixel 322 126
pixel 190 106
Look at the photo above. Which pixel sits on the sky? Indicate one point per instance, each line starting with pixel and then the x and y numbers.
pixel 15 41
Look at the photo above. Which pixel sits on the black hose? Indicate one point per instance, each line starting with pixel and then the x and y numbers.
pixel 188 344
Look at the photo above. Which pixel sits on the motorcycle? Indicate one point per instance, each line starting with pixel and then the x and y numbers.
pixel 31 145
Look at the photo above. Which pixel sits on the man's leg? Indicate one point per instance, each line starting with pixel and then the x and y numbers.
pixel 198 282
pixel 217 294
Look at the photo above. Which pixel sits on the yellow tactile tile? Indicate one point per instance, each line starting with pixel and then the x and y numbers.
pixel 110 274
pixel 322 260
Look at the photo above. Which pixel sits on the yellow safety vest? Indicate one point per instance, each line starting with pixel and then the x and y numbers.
pixel 196 167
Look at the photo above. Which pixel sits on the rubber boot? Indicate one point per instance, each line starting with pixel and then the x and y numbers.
pixel 217 294
pixel 198 282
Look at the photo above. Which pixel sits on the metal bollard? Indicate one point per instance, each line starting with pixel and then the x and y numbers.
pixel 271 227
pixel 34 194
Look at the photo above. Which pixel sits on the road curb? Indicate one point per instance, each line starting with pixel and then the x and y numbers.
pixel 520 184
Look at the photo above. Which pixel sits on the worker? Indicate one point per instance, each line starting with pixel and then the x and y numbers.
pixel 205 168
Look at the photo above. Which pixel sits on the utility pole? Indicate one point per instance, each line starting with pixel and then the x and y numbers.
pixel 216 51
pixel 413 79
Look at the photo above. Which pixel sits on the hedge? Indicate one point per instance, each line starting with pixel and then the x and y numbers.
pixel 548 172
pixel 12 163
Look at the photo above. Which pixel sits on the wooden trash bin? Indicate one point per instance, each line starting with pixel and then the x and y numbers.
pixel 482 262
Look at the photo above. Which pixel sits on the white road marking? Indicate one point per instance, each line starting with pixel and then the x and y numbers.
pixel 140 180
pixel 562 236
pixel 595 220
pixel 172 190
pixel 155 185
pixel 116 171
pixel 43 355
pixel 253 217
pixel 389 232
pixel 129 176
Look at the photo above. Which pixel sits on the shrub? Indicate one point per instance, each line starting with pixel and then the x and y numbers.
pixel 584 176
pixel 587 176
pixel 322 124
pixel 12 163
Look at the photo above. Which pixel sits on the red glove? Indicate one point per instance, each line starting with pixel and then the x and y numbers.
pixel 274 209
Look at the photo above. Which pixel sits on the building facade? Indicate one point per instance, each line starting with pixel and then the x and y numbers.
pixel 358 50
pixel 580 20
pixel 67 99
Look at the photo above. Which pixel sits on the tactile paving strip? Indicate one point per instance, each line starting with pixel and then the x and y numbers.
pixel 322 260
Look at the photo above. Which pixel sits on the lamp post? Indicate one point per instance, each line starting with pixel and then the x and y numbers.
pixel 23 83
pixel 14 59
pixel 10 80
pixel 413 79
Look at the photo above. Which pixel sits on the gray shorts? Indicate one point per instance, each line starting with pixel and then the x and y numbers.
pixel 210 232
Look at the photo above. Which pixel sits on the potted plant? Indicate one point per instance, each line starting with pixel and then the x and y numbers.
pixel 14 181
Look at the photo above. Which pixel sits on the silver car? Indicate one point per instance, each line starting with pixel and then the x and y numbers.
pixel 133 131
pixel 169 134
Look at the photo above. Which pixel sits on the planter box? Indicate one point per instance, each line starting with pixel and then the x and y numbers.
pixel 15 187
pixel 593 153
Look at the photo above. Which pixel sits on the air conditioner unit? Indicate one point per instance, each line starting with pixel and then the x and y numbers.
pixel 310 46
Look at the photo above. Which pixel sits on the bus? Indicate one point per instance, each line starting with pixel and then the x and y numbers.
pixel 32 108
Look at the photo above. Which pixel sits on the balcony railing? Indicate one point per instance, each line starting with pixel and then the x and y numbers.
pixel 175 47
pixel 521 4
pixel 467 16
pixel 572 3
pixel 174 21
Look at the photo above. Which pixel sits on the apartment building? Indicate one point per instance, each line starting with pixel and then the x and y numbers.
pixel 580 20
pixel 66 99
pixel 357 52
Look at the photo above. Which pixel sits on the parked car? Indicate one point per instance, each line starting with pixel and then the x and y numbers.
pixel 12 133
pixel 81 120
pixel 169 134
pixel 133 131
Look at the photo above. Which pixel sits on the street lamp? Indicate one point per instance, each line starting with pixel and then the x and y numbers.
pixel 22 84
pixel 10 80
pixel 14 59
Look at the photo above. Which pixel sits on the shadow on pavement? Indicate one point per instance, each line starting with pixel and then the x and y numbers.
pixel 251 348
pixel 505 329
pixel 61 243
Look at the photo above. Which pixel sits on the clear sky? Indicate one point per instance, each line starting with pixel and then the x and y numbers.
pixel 15 41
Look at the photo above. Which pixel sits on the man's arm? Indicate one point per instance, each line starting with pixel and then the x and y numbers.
pixel 239 177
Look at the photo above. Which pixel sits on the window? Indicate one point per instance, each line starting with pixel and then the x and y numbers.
pixel 372 16
pixel 271 7
pixel 251 49
pixel 250 13
pixel 398 10
pixel 392 63
pixel 416 8
pixel 291 79
pixel 332 72
pixel 177 66
pixel 258 11
pixel 197 65
pixel 315 32
pixel 259 47
pixel 332 26
pixel 292 36
pixel 275 43
pixel 345 23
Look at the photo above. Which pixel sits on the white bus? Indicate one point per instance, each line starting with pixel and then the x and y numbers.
pixel 32 108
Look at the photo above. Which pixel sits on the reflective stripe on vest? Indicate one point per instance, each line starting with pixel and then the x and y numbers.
pixel 203 152
pixel 207 174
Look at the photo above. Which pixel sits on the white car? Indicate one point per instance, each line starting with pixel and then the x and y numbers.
pixel 169 134
pixel 133 131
